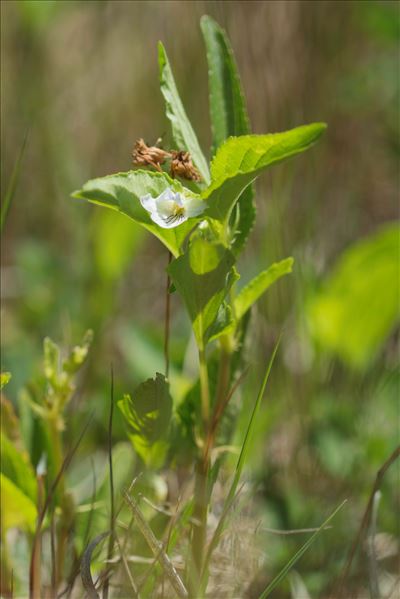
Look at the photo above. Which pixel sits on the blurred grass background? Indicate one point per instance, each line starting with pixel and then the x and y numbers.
pixel 81 79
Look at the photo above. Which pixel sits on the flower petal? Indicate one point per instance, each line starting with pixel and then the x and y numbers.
pixel 165 222
pixel 148 203
pixel 194 207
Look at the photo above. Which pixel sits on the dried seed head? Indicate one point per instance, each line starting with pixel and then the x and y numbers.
pixel 144 155
pixel 182 166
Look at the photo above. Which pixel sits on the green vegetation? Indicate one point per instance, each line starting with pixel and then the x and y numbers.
pixel 253 410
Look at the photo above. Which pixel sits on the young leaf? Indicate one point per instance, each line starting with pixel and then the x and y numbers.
pixel 228 112
pixel 203 276
pixel 253 290
pixel 123 191
pixel 5 378
pixel 223 324
pixel 148 415
pixel 182 131
pixel 241 159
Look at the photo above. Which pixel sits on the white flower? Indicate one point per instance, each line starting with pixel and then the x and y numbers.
pixel 171 208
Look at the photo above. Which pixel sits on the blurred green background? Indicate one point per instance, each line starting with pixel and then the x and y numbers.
pixel 81 80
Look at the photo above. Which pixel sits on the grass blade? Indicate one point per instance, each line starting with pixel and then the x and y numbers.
pixel 12 186
pixel 272 585
pixel 86 575
pixel 239 467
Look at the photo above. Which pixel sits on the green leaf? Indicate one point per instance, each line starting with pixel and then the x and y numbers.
pixel 203 276
pixel 223 324
pixel 5 378
pixel 123 191
pixel 298 555
pixel 17 510
pixel 253 290
pixel 148 415
pixel 227 105
pixel 241 159
pixel 182 130
pixel 228 112
pixel 359 304
pixel 15 465
pixel 12 186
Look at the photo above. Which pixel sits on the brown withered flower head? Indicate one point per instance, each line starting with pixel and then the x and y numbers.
pixel 182 166
pixel 144 155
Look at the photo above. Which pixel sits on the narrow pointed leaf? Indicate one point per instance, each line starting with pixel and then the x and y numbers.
pixel 253 290
pixel 278 579
pixel 228 112
pixel 241 159
pixel 227 105
pixel 12 186
pixel 182 131
pixel 239 467
pixel 123 191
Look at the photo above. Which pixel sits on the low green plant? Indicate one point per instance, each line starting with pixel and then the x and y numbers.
pixel 34 491
pixel 203 214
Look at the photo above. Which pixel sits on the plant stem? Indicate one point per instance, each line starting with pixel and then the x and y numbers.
pixel 62 529
pixel 200 526
pixel 223 379
pixel 204 388
pixel 200 492
pixel 167 320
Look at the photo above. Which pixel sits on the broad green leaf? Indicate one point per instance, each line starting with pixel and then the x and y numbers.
pixel 5 378
pixel 148 415
pixel 241 159
pixel 17 510
pixel 359 304
pixel 15 465
pixel 182 130
pixel 253 290
pixel 203 276
pixel 228 112
pixel 123 191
